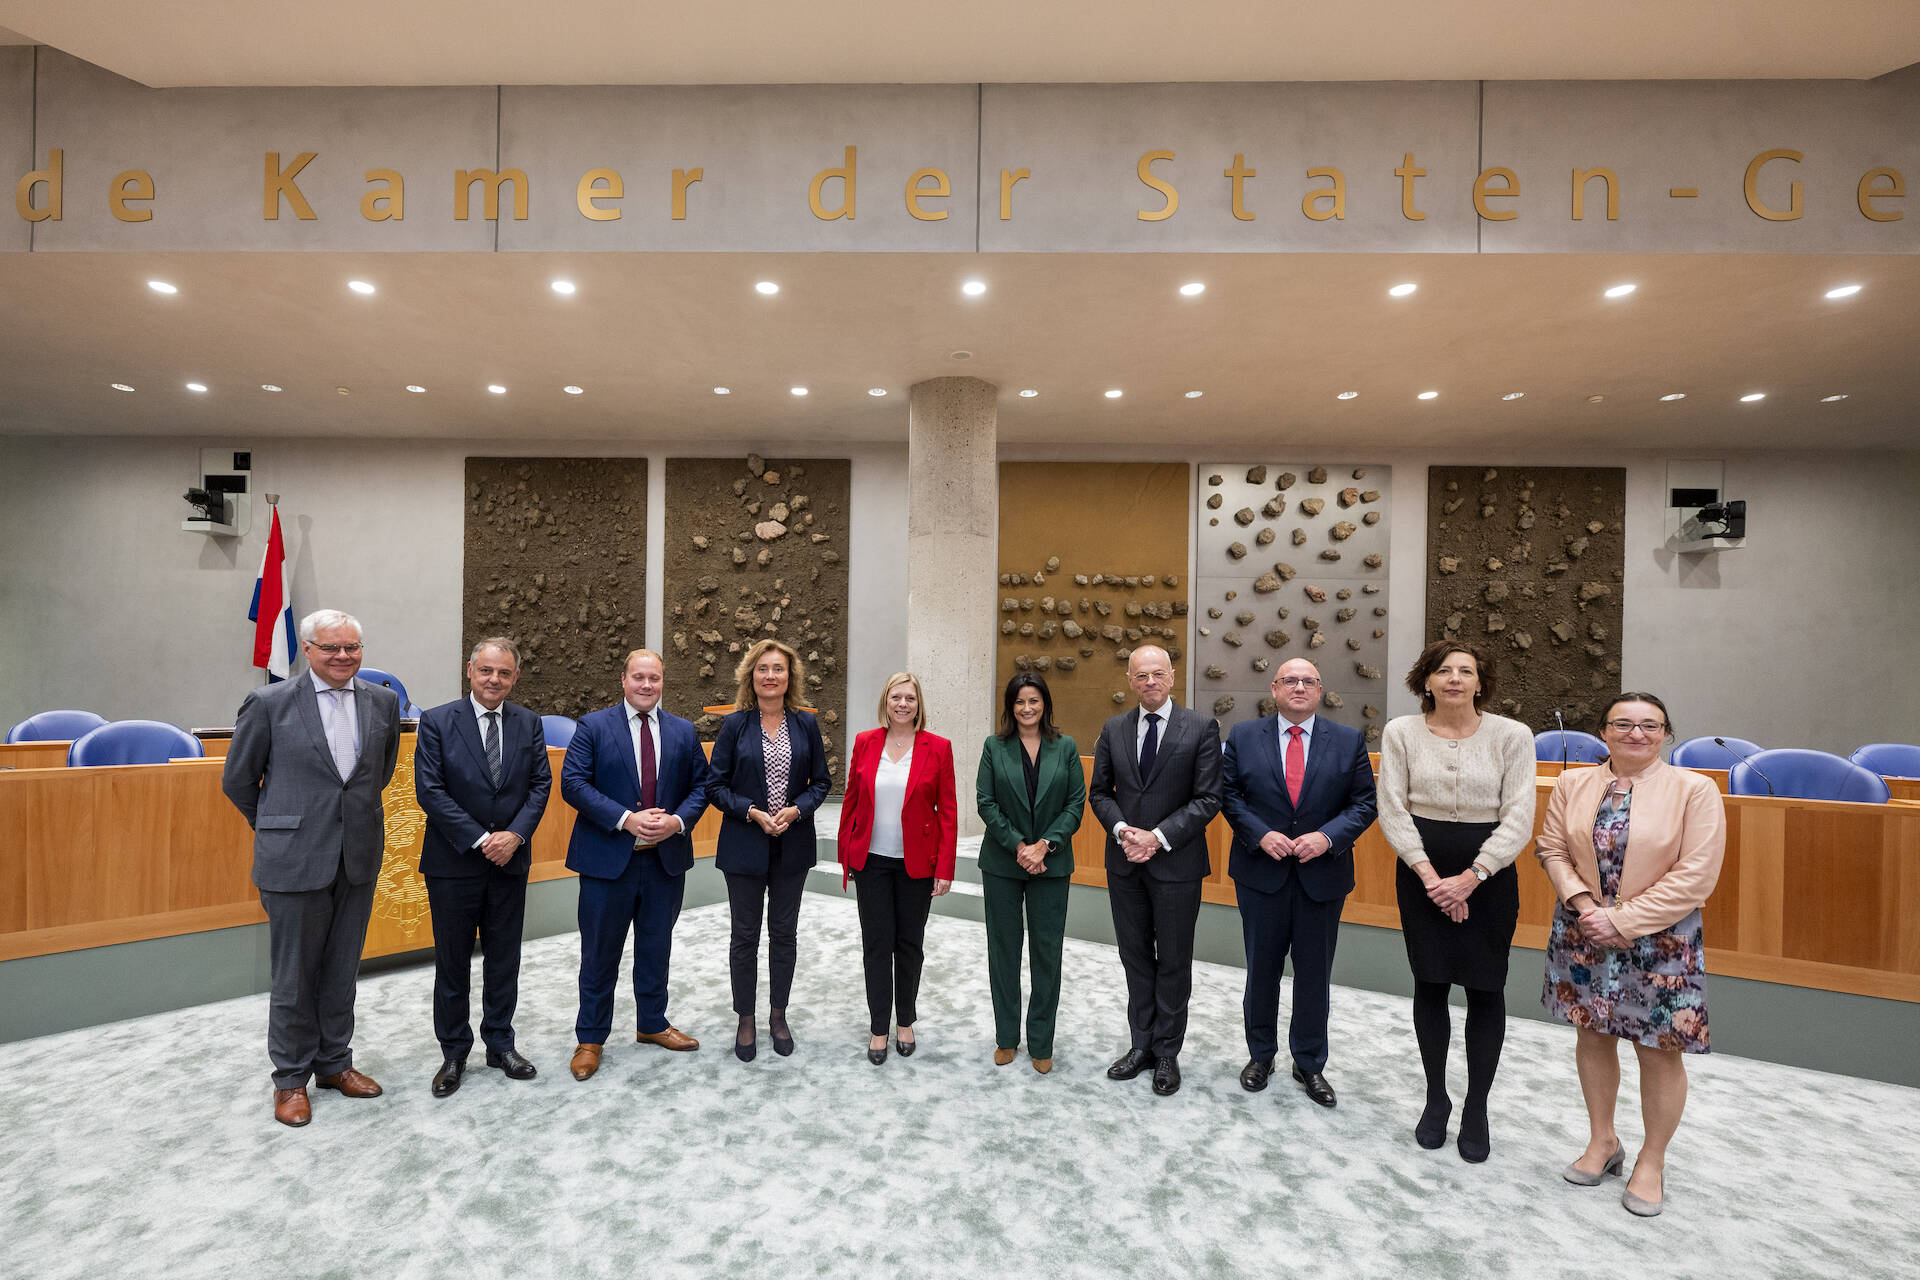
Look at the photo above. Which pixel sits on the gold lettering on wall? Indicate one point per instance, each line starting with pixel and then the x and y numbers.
pixel 1583 176
pixel 599 184
pixel 1007 178
pixel 682 179
pixel 1483 193
pixel 1867 192
pixel 1407 173
pixel 386 203
pixel 52 176
pixel 1752 187
pixel 848 174
pixel 1237 175
pixel 130 184
pixel 1145 171
pixel 280 182
pixel 1337 193
pixel 916 193
pixel 463 180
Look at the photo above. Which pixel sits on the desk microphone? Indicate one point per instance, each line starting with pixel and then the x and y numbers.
pixel 1563 735
pixel 1747 761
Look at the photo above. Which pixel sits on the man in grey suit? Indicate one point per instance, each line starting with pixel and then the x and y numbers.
pixel 1156 785
pixel 309 759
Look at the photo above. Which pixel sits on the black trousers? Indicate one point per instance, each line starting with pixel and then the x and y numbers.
pixel 1271 926
pixel 1153 923
pixel 493 904
pixel 778 896
pixel 893 933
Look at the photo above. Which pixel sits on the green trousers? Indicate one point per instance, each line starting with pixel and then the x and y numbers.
pixel 1044 902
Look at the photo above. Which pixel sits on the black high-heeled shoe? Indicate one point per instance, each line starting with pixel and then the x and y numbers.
pixel 878 1057
pixel 906 1047
pixel 745 1049
pixel 782 1034
pixel 1431 1132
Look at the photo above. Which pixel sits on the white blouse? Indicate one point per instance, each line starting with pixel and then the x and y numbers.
pixel 889 797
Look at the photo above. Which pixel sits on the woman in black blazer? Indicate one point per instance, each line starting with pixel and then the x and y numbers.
pixel 769 775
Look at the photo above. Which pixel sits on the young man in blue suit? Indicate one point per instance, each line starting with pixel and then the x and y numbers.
pixel 1298 793
pixel 638 779
pixel 480 772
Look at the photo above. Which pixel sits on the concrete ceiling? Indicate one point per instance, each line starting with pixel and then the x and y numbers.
pixel 1270 343
pixel 431 42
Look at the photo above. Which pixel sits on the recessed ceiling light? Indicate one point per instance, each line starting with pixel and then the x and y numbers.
pixel 360 287
pixel 723 391
pixel 1028 394
pixel 1621 290
pixel 1752 396
pixel 1195 395
pixel 1514 395
pixel 1193 289
pixel 496 388
pixel 799 391
pixel 1402 290
pixel 1348 395
pixel 196 386
pixel 572 390
pixel 974 288
pixel 876 391
pixel 416 388
pixel 1675 395
pixel 1844 291
pixel 161 286
pixel 767 287
pixel 1429 395
pixel 343 391
pixel 963 355
pixel 564 288
pixel 1114 393
pixel 1596 399
pixel 1831 399
pixel 120 386
pixel 268 386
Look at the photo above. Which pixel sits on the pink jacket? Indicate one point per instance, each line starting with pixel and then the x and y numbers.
pixel 1676 837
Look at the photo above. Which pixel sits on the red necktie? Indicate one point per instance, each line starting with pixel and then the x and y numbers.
pixel 1296 762
pixel 649 769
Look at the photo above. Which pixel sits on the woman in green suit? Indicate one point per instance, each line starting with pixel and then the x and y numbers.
pixel 1031 792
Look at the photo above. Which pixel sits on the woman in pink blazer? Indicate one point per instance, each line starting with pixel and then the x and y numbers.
pixel 898 828
pixel 1626 959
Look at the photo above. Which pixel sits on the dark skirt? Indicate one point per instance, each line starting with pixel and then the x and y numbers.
pixel 1472 953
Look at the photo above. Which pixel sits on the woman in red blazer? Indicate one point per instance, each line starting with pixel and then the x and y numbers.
pixel 898 827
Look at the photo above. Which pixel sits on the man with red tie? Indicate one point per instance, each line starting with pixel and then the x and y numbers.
pixel 1298 793
pixel 638 778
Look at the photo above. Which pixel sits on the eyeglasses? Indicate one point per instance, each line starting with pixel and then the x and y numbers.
pixel 331 649
pixel 1648 727
pixel 1298 682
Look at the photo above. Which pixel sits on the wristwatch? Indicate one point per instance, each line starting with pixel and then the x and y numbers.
pixel 1479 872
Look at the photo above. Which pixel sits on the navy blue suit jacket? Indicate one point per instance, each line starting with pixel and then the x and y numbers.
pixel 600 778
pixel 1336 797
pixel 457 794
pixel 740 783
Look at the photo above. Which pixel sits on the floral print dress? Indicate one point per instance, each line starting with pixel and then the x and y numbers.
pixel 1653 991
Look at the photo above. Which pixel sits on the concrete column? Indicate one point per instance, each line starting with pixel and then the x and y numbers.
pixel 953 485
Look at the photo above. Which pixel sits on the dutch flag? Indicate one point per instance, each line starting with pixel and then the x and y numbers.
pixel 272 609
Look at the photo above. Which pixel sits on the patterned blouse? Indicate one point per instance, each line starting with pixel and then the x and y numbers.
pixel 778 750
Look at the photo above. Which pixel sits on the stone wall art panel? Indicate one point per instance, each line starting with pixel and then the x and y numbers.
pixel 555 557
pixel 1292 563
pixel 757 547
pixel 1529 561
pixel 1093 561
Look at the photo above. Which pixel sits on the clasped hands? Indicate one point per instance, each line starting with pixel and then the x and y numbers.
pixel 652 825
pixel 1595 925
pixel 1139 844
pixel 1278 845
pixel 774 824
pixel 497 847
pixel 1031 857
pixel 1450 893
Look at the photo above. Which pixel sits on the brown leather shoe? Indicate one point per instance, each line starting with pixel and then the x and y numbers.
pixel 1043 1065
pixel 291 1108
pixel 1001 1057
pixel 350 1083
pixel 586 1061
pixel 672 1038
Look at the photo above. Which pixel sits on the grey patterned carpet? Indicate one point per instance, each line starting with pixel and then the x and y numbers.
pixel 147 1148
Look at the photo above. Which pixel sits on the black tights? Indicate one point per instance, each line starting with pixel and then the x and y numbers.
pixel 1486 1030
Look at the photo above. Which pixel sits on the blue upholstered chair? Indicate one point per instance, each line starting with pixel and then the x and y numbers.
pixel 559 730
pixel 1581 748
pixel 1889 759
pixel 133 742
pixel 55 726
pixel 374 675
pixel 1806 775
pixel 1705 753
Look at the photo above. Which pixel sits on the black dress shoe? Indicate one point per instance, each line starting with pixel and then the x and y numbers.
pixel 878 1057
pixel 1253 1076
pixel 782 1035
pixel 1315 1084
pixel 746 1049
pixel 1129 1064
pixel 1166 1076
pixel 447 1079
pixel 906 1047
pixel 515 1066
pixel 1474 1142
pixel 1431 1132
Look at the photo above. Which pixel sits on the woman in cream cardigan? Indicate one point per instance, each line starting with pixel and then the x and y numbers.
pixel 1625 960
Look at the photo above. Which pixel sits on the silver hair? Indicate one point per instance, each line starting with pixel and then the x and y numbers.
pixel 501 643
pixel 328 618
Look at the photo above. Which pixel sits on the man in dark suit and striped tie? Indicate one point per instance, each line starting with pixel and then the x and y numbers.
pixel 1156 785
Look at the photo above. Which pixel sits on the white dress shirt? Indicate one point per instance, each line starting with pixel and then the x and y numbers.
pixel 331 706
pixel 1139 744
pixel 653 728
pixel 480 714
pixel 889 798
pixel 1306 741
